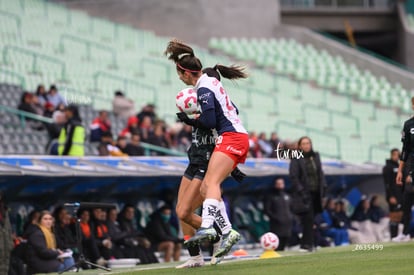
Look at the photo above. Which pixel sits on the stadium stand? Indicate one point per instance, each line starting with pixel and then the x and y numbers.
pixel 89 58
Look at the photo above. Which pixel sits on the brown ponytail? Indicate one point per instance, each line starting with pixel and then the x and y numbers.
pixel 232 72
pixel 183 56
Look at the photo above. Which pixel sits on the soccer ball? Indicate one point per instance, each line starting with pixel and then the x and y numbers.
pixel 269 241
pixel 186 101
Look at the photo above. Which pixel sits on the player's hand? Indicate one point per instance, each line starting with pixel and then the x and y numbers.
pixel 409 179
pixel 398 179
pixel 183 117
pixel 392 200
pixel 238 175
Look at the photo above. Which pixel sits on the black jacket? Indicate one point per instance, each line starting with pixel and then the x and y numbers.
pixel 300 182
pixel 277 207
pixel 389 173
pixel 159 231
pixel 39 258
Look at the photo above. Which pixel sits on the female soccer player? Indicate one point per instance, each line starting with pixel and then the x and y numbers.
pixel 189 196
pixel 217 112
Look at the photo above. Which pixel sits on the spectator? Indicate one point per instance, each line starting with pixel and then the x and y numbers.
pixel 131 128
pixel 99 125
pixel 157 137
pixel 119 238
pixel 42 253
pixel 37 106
pixel 360 221
pixel 134 148
pixel 49 110
pixel 342 221
pixel 274 141
pixel 54 97
pixel 379 221
pixel 159 232
pixel 107 147
pixel 141 244
pixel 30 223
pixel 184 137
pixel 254 149
pixel 123 107
pixel 41 94
pixel 147 111
pixel 308 183
pixel 277 207
pixel 100 230
pixel 89 244
pixel 122 143
pixel 332 227
pixel 65 237
pixel 72 134
pixel 145 128
pixel 26 103
pixel 394 192
pixel 264 145
pixel 6 241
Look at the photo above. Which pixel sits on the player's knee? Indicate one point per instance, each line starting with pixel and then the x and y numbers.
pixel 183 213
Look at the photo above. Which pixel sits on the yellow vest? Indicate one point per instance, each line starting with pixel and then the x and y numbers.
pixel 78 140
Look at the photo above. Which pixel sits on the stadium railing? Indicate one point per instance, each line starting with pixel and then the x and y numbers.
pixel 23 115
pixel 125 81
pixel 20 77
pixel 88 45
pixel 16 18
pixel 331 114
pixel 35 56
pixel 309 131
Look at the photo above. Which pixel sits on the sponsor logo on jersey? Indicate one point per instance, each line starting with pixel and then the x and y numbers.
pixel 412 130
pixel 233 150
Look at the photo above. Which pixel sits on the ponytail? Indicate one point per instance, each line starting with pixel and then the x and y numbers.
pixel 232 72
pixel 183 56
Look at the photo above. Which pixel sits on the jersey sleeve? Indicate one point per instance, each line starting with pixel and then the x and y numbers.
pixel 405 139
pixel 206 101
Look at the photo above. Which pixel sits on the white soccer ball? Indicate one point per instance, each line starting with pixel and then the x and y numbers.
pixel 269 241
pixel 186 101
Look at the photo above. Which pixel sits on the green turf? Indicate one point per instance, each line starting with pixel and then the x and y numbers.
pixel 393 259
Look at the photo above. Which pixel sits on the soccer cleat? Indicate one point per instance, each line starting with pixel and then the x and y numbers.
pixel 195 261
pixel 202 234
pixel 216 260
pixel 228 240
pixel 401 238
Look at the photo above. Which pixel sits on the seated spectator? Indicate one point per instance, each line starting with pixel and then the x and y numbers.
pixel 64 233
pixel 107 147
pixel 131 128
pixel 42 253
pixel 26 103
pixel 134 147
pixel 138 240
pixel 157 138
pixel 53 130
pixel 37 106
pixel 184 138
pixel 100 230
pixel 30 223
pixel 254 149
pixel 89 244
pixel 118 237
pixel 147 111
pixel 274 141
pixel 41 94
pixel 99 125
pixel 54 97
pixel 122 106
pixel 341 220
pixel 159 232
pixel 330 229
pixel 264 145
pixel 146 128
pixel 49 110
pixel 122 143
pixel 360 221
pixel 379 221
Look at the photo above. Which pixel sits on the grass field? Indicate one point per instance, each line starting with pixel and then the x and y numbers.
pixel 393 259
